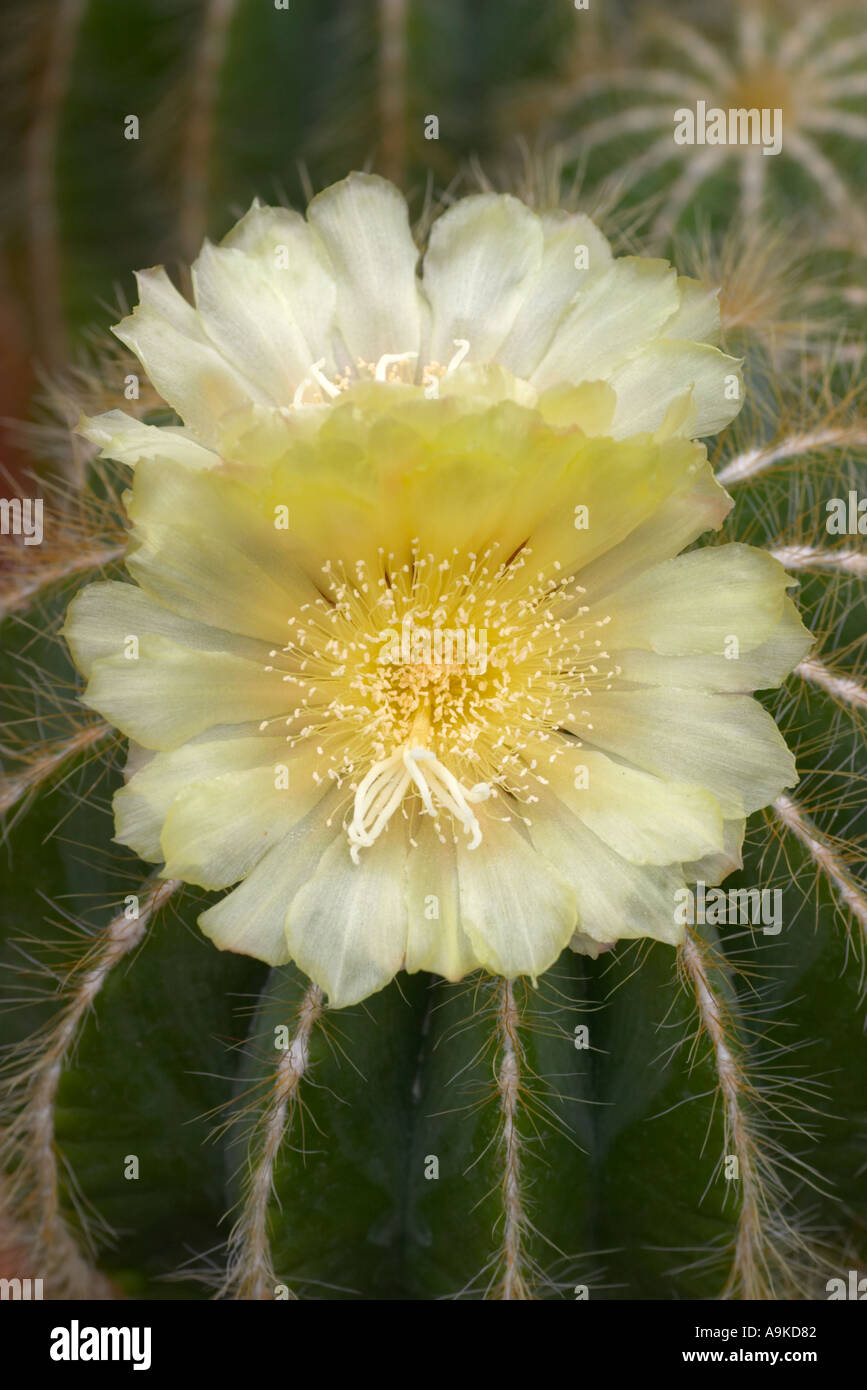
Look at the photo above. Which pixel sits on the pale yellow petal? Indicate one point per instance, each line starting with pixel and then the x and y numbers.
pixel 615 899
pixel 517 910
pixel 208 547
pixel 142 804
pixel 171 693
pixel 713 868
pixel 590 406
pixel 697 603
pixel 699 504
pixel 644 818
pixel 726 743
pixel 347 926
pixel 436 940
pixel 252 918
pixel 619 486
pixel 763 668
pixel 103 616
pixel 206 841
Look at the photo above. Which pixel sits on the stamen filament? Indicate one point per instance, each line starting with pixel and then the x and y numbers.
pixel 384 786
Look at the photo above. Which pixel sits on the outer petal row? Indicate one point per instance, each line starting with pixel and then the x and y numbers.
pixel 283 298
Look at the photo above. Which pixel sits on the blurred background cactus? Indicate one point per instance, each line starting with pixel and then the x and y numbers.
pixel 179 1123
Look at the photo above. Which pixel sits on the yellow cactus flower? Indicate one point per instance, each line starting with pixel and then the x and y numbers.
pixel 412 661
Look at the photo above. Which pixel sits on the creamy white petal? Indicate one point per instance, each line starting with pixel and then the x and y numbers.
pixel 295 255
pixel 588 946
pixel 696 603
pixel 726 743
pixel 568 238
pixel 171 693
pixel 121 437
pixel 364 224
pixel 517 910
pixel 167 337
pixel 436 940
pixel 648 384
pixel 762 668
pixel 614 898
pixel 247 319
pixel 698 317
pixel 347 926
pixel 252 918
pixel 642 817
pixel 616 315
pixel 482 256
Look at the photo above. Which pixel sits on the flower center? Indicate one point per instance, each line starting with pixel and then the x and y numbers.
pixel 317 387
pixel 383 788
pixel 439 682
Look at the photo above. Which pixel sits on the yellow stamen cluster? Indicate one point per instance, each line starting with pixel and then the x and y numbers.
pixel 387 730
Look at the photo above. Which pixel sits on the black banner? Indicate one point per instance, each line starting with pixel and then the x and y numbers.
pixel 149 1338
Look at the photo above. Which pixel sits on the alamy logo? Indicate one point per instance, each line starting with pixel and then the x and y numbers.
pixel 855 1288
pixel 21 1288
pixel 847 515
pixel 437 646
pixel 736 907
pixel 739 125
pixel 76 1343
pixel 22 517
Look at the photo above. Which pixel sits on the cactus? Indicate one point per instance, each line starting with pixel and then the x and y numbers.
pixel 179 1122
